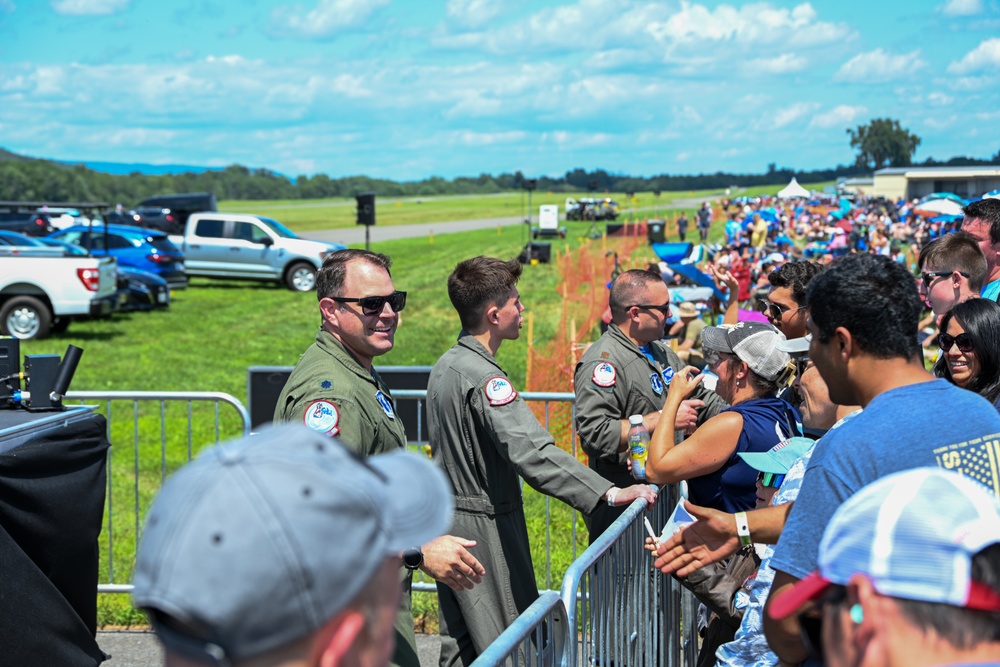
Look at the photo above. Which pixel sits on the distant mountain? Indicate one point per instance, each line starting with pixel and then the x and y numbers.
pixel 119 168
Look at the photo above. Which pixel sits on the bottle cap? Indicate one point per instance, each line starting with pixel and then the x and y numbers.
pixel 635 420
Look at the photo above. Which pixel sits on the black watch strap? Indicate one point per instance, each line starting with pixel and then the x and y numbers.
pixel 413 558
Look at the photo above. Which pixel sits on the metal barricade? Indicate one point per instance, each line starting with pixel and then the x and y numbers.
pixel 152 434
pixel 536 638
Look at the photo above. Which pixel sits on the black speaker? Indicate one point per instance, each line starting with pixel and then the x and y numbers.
pixel 655 230
pixel 264 385
pixel 366 208
pixel 10 366
pixel 542 252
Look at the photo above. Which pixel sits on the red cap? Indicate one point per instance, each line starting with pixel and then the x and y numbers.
pixel 806 590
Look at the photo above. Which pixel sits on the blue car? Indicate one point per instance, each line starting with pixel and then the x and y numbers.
pixel 144 249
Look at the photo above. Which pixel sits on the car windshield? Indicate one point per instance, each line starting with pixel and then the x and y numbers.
pixel 279 228
pixel 163 244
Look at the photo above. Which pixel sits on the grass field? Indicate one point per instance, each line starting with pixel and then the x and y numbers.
pixel 216 329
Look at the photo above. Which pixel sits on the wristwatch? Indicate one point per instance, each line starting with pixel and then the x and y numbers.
pixel 413 558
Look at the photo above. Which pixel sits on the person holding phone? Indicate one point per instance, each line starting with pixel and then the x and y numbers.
pixel 751 369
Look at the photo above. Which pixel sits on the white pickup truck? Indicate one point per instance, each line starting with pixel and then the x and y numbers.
pixel 41 290
pixel 235 245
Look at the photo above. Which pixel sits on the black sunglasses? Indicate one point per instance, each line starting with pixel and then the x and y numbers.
pixel 776 310
pixel 373 305
pixel 963 340
pixel 811 621
pixel 665 308
pixel 771 480
pixel 929 276
pixel 801 365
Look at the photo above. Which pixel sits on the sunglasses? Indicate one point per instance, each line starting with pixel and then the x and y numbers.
pixel 811 621
pixel 801 365
pixel 665 308
pixel 929 276
pixel 963 340
pixel 373 305
pixel 775 310
pixel 770 480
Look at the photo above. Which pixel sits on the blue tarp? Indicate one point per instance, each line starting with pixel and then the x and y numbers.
pixel 672 252
pixel 697 276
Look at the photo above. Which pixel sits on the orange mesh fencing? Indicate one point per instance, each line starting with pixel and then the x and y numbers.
pixel 584 275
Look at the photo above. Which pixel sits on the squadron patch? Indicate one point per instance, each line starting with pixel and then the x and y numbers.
pixel 499 391
pixel 385 403
pixel 656 383
pixel 322 416
pixel 605 375
pixel 668 375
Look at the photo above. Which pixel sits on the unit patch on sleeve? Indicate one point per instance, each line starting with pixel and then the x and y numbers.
pixel 499 391
pixel 323 416
pixel 605 375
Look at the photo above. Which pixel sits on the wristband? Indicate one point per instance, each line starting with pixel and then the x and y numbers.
pixel 612 492
pixel 743 529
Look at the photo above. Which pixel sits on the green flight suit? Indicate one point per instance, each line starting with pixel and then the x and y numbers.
pixel 484 436
pixel 331 392
pixel 614 380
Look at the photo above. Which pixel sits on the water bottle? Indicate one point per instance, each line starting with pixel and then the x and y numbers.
pixel 638 447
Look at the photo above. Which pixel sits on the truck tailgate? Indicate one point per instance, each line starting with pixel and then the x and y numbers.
pixel 109 277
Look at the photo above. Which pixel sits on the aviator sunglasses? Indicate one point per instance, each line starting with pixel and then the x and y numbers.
pixel 776 310
pixel 963 340
pixel 373 305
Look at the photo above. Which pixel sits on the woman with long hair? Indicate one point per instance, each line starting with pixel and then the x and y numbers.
pixel 970 348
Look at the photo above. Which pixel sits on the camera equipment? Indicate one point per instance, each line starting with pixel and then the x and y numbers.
pixel 46 379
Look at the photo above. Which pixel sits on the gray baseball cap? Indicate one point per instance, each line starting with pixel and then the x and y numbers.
pixel 756 343
pixel 262 540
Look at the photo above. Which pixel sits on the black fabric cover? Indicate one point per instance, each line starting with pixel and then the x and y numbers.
pixel 52 491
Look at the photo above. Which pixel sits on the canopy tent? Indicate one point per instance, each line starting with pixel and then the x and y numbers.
pixel 942 206
pixel 943 195
pixel 793 191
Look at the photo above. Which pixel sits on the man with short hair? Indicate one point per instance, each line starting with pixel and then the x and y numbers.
pixel 626 372
pixel 982 220
pixel 952 269
pixel 284 549
pixel 863 317
pixel 785 306
pixel 335 390
pixel 485 437
pixel 908 574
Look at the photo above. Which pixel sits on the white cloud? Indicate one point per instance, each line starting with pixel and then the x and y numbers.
pixel 940 99
pixel 469 138
pixel 89 7
pixel 473 13
pixel 786 62
pixel 838 116
pixel 961 7
pixel 878 67
pixel 329 17
pixel 791 113
pixel 984 57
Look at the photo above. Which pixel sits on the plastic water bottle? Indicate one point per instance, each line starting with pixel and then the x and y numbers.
pixel 638 447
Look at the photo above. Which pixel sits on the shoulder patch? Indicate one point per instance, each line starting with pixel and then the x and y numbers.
pixel 322 416
pixel 499 391
pixel 605 375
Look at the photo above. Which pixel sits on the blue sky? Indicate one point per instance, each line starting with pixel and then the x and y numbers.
pixel 405 89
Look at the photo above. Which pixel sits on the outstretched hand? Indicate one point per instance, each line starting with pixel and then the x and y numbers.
pixel 724 276
pixel 710 539
pixel 448 560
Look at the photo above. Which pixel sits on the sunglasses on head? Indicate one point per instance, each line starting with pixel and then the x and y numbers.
pixel 373 305
pixel 963 340
pixel 770 480
pixel 775 310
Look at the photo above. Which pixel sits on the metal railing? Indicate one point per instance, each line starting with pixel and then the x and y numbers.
pixel 148 444
pixel 537 637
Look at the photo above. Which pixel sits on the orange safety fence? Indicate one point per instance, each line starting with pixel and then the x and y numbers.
pixel 584 275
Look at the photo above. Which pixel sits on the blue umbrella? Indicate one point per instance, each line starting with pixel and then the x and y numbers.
pixel 944 195
pixel 672 252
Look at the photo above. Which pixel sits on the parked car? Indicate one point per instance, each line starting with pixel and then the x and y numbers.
pixel 141 290
pixel 30 223
pixel 163 219
pixel 145 249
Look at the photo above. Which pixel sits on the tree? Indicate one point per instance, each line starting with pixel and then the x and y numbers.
pixel 883 142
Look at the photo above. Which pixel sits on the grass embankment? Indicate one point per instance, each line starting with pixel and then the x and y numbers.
pixel 216 329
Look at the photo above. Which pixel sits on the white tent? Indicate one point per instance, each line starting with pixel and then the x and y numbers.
pixel 793 191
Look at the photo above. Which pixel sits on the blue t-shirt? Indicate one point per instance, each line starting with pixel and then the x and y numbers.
pixel 930 423
pixel 991 291
pixel 733 487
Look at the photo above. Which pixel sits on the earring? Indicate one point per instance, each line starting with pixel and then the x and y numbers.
pixel 857 614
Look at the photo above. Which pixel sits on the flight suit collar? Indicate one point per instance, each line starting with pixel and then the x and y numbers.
pixel 329 343
pixel 468 341
pixel 619 336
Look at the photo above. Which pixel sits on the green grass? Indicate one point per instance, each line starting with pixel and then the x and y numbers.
pixel 216 329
